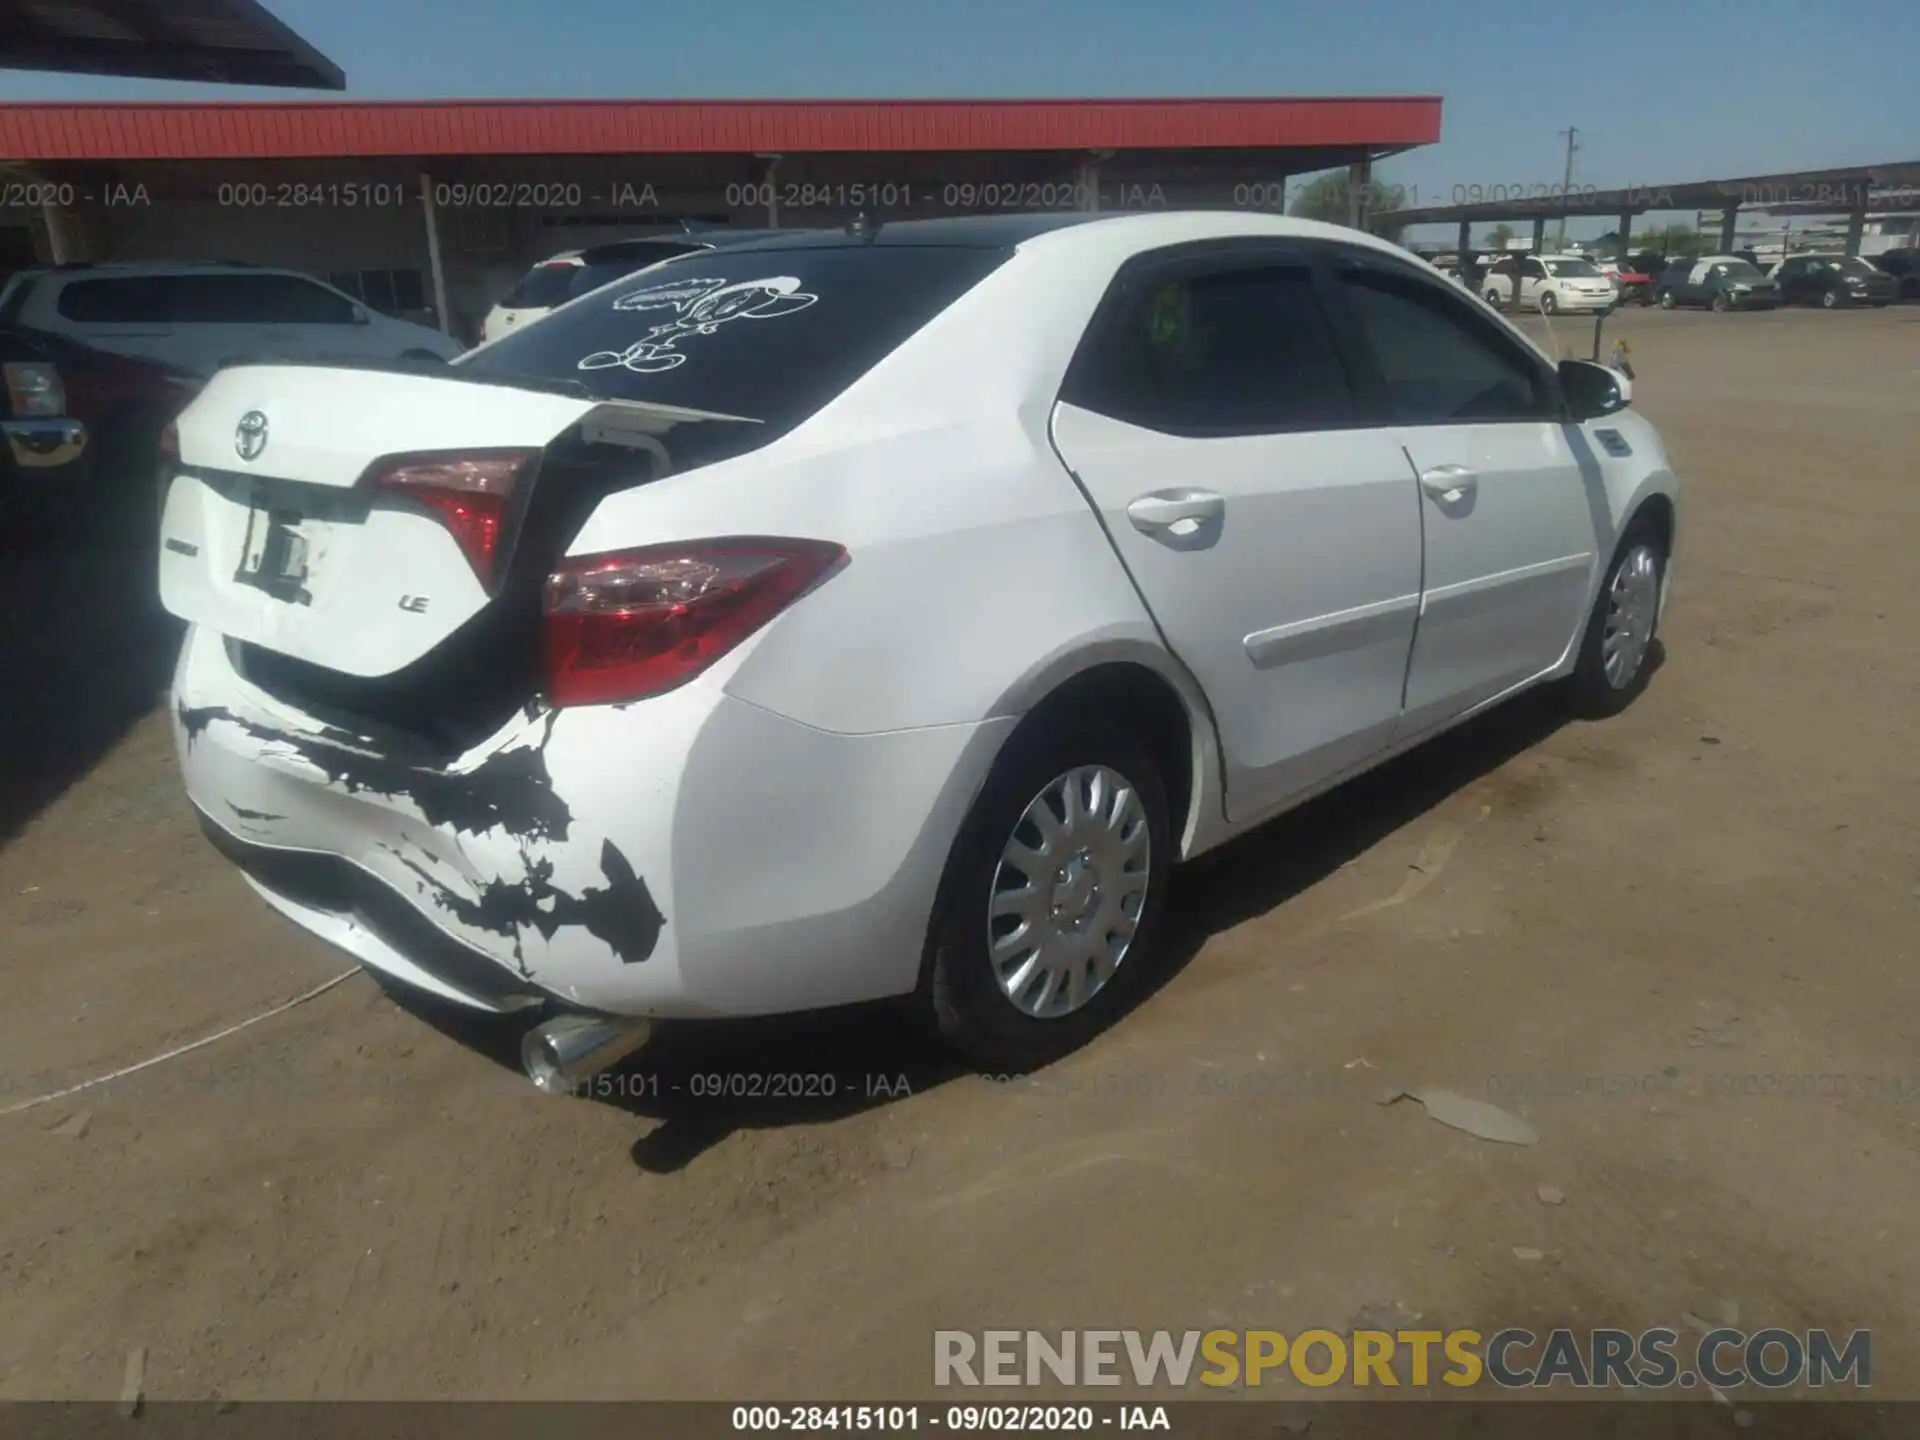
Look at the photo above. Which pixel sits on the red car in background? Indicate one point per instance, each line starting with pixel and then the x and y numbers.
pixel 82 433
pixel 1636 277
pixel 44 451
pixel 125 401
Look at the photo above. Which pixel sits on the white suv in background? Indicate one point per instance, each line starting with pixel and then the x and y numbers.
pixel 573 273
pixel 200 317
pixel 1550 283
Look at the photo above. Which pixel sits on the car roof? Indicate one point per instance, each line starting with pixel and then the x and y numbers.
pixel 987 232
pixel 1093 230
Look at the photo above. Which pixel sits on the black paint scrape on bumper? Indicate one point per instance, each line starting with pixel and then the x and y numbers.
pixel 329 883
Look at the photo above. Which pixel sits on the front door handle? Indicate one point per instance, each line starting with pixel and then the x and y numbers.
pixel 1181 511
pixel 1449 484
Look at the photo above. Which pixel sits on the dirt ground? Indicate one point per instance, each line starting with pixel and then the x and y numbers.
pixel 1682 943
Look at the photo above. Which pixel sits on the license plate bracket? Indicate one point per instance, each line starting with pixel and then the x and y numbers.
pixel 274 556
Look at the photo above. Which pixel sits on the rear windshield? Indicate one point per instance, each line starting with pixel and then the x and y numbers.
pixel 771 335
pixel 542 287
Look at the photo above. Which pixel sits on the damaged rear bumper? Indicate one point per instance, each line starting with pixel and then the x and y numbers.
pixel 692 856
pixel 349 908
pixel 471 880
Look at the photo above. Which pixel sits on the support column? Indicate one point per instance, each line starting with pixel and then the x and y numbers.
pixel 435 269
pixel 1089 183
pixel 1729 222
pixel 65 242
pixel 1359 192
pixel 1626 230
pixel 1463 245
pixel 1857 222
pixel 1540 235
pixel 772 181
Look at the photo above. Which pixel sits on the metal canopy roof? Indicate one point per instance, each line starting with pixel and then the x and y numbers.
pixel 234 42
pixel 1822 191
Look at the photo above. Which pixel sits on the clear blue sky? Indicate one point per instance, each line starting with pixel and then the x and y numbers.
pixel 1660 92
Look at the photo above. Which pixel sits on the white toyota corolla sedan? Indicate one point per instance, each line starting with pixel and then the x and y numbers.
pixel 880 613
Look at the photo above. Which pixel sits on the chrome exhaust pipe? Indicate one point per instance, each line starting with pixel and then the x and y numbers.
pixel 562 1053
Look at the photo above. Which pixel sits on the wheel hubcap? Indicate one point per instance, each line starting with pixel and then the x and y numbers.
pixel 1633 603
pixel 1068 892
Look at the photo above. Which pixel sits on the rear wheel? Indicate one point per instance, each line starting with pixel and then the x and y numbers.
pixel 1051 902
pixel 1721 304
pixel 1666 300
pixel 1830 300
pixel 1614 651
pixel 1547 303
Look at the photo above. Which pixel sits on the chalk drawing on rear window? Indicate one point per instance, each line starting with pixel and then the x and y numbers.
pixel 700 307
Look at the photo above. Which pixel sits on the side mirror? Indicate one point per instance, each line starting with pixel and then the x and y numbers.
pixel 1594 390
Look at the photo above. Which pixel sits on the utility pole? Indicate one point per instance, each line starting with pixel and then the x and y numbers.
pixel 1566 185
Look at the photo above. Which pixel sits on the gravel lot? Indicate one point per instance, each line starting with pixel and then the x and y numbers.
pixel 1681 943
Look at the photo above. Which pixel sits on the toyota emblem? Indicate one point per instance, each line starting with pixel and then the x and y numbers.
pixel 250 435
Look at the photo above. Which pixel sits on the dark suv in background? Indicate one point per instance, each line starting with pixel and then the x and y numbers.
pixel 1834 282
pixel 1719 282
pixel 1904 266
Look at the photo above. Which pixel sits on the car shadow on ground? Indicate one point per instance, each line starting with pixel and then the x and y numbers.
pixel 85 653
pixel 701 1082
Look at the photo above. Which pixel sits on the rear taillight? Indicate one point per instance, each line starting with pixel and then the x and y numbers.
pixel 467 492
pixel 34 390
pixel 636 623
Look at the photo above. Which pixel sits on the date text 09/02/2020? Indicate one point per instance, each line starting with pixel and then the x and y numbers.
pixel 953 1419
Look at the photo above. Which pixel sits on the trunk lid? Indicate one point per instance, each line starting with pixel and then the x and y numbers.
pixel 273 535
pixel 364 605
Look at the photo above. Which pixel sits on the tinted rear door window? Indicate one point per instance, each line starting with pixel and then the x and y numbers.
pixel 771 335
pixel 203 300
pixel 134 300
pixel 274 300
pixel 1439 360
pixel 1237 351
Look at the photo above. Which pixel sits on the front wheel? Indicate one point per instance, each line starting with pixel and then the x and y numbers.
pixel 1721 304
pixel 1547 303
pixel 1666 300
pixel 1049 909
pixel 1830 301
pixel 1613 664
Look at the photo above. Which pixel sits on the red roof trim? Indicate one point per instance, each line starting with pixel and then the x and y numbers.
pixel 236 131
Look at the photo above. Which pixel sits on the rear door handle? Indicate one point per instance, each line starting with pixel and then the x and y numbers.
pixel 1181 511
pixel 1449 483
